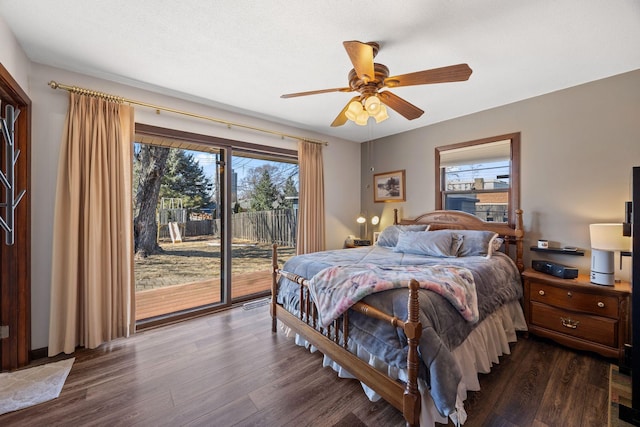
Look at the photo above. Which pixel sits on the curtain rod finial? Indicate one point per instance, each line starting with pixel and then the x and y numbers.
pixel 53 84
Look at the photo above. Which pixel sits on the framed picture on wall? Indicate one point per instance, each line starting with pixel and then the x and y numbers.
pixel 389 187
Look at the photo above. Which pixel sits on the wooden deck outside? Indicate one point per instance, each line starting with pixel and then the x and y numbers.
pixel 169 299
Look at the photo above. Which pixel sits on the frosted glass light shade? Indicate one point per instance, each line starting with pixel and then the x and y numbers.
pixel 362 118
pixel 355 108
pixel 381 115
pixel 372 105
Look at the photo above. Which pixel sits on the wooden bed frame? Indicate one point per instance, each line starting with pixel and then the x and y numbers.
pixel 332 341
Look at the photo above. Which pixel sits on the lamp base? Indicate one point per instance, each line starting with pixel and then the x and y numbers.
pixel 602 267
pixel 604 279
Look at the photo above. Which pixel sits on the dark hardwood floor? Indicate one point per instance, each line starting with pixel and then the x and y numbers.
pixel 228 369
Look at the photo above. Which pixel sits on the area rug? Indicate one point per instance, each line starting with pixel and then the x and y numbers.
pixel 28 387
pixel 619 394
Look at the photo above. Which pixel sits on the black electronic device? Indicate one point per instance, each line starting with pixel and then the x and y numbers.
pixel 361 242
pixel 555 269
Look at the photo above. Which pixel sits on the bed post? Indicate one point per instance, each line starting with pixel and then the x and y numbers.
pixel 395 216
pixel 519 236
pixel 274 287
pixel 413 331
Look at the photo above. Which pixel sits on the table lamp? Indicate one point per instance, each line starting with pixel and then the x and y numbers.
pixel 605 240
pixel 375 220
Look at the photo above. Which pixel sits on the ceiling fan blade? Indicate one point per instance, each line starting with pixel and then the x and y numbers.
pixel 342 117
pixel 452 73
pixel 399 105
pixel 315 92
pixel 361 56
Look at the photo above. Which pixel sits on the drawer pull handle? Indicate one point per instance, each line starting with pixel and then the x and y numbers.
pixel 541 292
pixel 569 294
pixel 600 304
pixel 568 323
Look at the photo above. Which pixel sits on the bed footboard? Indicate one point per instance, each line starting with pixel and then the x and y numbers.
pixel 333 341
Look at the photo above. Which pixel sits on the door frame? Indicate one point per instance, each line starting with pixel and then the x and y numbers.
pixel 15 260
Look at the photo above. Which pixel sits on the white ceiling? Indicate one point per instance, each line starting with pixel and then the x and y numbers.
pixel 242 55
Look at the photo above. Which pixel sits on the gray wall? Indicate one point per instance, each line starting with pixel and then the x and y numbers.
pixel 578 147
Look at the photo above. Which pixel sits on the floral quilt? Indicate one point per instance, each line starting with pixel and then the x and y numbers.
pixel 335 289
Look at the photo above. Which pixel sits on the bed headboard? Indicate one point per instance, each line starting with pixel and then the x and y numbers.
pixel 458 220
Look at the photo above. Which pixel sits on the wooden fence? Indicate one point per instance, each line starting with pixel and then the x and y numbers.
pixel 276 226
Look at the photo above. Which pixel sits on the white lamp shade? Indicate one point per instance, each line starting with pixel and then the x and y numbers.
pixel 608 237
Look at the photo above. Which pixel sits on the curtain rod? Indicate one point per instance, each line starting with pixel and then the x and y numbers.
pixel 119 99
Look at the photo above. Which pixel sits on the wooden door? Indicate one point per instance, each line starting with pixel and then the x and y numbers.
pixel 15 259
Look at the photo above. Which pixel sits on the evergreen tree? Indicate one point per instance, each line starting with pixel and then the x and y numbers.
pixel 265 196
pixel 290 191
pixel 281 178
pixel 184 179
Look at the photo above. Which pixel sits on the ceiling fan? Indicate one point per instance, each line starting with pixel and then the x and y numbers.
pixel 369 79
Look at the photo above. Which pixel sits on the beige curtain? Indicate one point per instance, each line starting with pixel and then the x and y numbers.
pixel 92 292
pixel 311 235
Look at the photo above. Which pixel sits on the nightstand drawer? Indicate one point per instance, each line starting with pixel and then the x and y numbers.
pixel 601 305
pixel 592 328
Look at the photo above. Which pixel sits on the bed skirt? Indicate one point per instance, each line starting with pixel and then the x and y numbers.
pixel 477 354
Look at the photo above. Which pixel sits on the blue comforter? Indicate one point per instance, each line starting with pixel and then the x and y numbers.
pixel 497 282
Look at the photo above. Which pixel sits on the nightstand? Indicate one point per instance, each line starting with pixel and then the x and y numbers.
pixel 577 313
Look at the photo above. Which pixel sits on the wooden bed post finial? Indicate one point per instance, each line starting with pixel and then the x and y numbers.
pixel 395 216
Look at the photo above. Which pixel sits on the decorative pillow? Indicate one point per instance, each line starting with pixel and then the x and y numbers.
pixel 476 242
pixel 497 244
pixel 440 243
pixel 389 236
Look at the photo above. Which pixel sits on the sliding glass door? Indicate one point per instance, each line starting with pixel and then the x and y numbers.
pixel 178 232
pixel 205 220
pixel 265 205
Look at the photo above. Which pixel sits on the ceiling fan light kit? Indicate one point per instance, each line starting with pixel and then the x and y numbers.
pixel 373 107
pixel 369 78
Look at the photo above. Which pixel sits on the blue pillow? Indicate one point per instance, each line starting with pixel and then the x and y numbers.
pixel 440 243
pixel 389 236
pixel 477 242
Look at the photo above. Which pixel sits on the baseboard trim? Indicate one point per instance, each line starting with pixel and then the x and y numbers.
pixel 39 353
